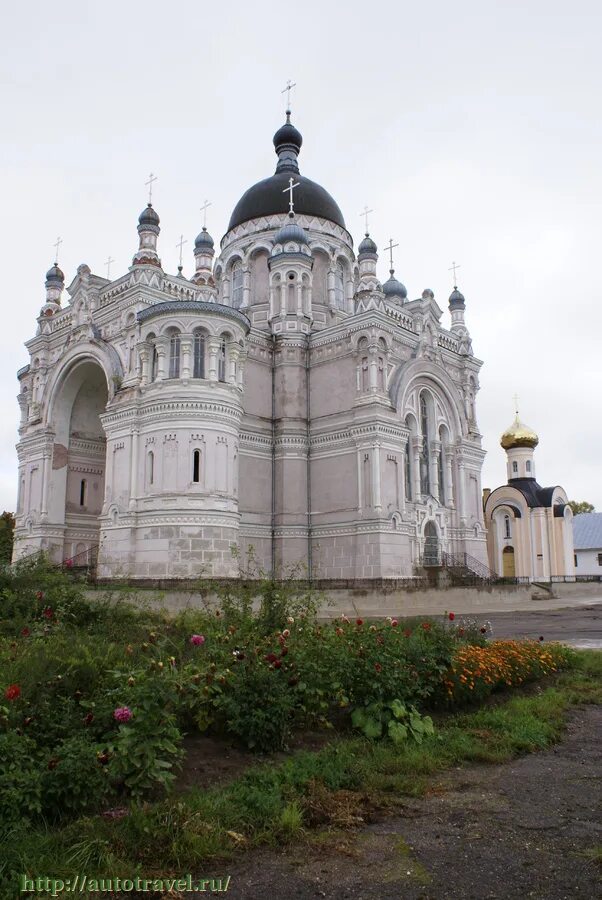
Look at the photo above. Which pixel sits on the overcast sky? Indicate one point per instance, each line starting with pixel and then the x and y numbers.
pixel 473 129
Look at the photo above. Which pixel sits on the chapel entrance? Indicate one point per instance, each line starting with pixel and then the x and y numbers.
pixel 77 481
pixel 508 563
pixel 431 545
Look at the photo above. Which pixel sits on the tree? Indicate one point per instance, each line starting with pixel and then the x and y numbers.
pixel 580 506
pixel 7 527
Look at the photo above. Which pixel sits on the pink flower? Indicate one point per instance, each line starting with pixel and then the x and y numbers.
pixel 394 623
pixel 122 714
pixel 286 633
pixel 197 640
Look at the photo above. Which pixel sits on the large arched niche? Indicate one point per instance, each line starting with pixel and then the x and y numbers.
pixel 421 374
pixel 76 488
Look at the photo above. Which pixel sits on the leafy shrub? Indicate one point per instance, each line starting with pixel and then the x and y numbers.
pixel 74 780
pixel 394 720
pixel 20 779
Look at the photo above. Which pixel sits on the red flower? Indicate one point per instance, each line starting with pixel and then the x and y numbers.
pixel 25 632
pixel 407 633
pixel 461 632
pixel 47 613
pixel 89 718
pixel 271 658
pixel 426 626
pixel 12 692
pixel 278 664
pixel 394 623
pixel 378 667
pixel 40 595
pixel 452 616
pixel 359 621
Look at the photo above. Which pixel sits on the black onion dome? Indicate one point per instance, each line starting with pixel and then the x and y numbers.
pixel 266 198
pixel 291 232
pixel 394 288
pixel 148 216
pixel 204 240
pixel 456 300
pixel 367 246
pixel 287 136
pixel 270 197
pixel 55 274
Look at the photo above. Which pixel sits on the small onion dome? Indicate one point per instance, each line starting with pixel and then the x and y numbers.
pixel 394 288
pixel 456 300
pixel 204 241
pixel 287 136
pixel 367 247
pixel 148 216
pixel 519 435
pixel 54 275
pixel 291 232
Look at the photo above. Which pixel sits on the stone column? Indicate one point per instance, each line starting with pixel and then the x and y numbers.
pixel 331 289
pixel 144 352
pixel 232 359
pixel 402 503
pixel 416 442
pixel 283 310
pixel 46 459
pixel 376 500
pixel 434 463
pixel 360 487
pixel 461 492
pixel 22 398
pixel 133 468
pixel 299 299
pixel 226 290
pixel 161 345
pixel 449 481
pixel 246 287
pixel 242 357
pixel 373 368
pixel 213 347
pixel 272 295
pixel 186 351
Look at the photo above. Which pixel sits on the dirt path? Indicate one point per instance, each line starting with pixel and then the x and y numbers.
pixel 506 831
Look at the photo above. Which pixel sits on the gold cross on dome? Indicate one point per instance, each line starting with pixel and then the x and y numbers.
pixel 108 265
pixel 515 398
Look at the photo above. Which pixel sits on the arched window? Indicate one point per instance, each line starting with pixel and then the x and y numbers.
pixel 150 467
pixel 237 285
pixel 507 528
pixel 515 468
pixel 196 466
pixel 174 354
pixel 82 492
pixel 425 475
pixel 221 361
pixel 339 286
pixel 198 368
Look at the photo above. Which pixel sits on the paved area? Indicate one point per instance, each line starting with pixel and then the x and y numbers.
pixel 580 626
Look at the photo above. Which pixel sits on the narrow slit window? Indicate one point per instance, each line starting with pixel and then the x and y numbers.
pixel 82 492
pixel 221 370
pixel 151 467
pixel 196 466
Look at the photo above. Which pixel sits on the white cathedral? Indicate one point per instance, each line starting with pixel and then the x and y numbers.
pixel 280 398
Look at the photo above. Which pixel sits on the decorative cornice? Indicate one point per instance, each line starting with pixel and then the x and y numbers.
pixel 195 306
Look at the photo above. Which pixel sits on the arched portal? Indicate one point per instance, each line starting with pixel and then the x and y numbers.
pixel 431 545
pixel 508 563
pixel 77 477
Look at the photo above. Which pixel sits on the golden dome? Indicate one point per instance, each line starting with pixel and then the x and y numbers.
pixel 518 435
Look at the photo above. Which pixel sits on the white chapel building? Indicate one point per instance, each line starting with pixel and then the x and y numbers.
pixel 278 396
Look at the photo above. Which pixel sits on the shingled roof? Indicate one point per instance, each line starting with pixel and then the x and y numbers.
pixel 587 531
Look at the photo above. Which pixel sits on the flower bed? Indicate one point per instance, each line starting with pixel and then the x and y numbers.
pixel 478 671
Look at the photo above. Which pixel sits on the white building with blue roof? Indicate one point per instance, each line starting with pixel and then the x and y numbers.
pixel 587 540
